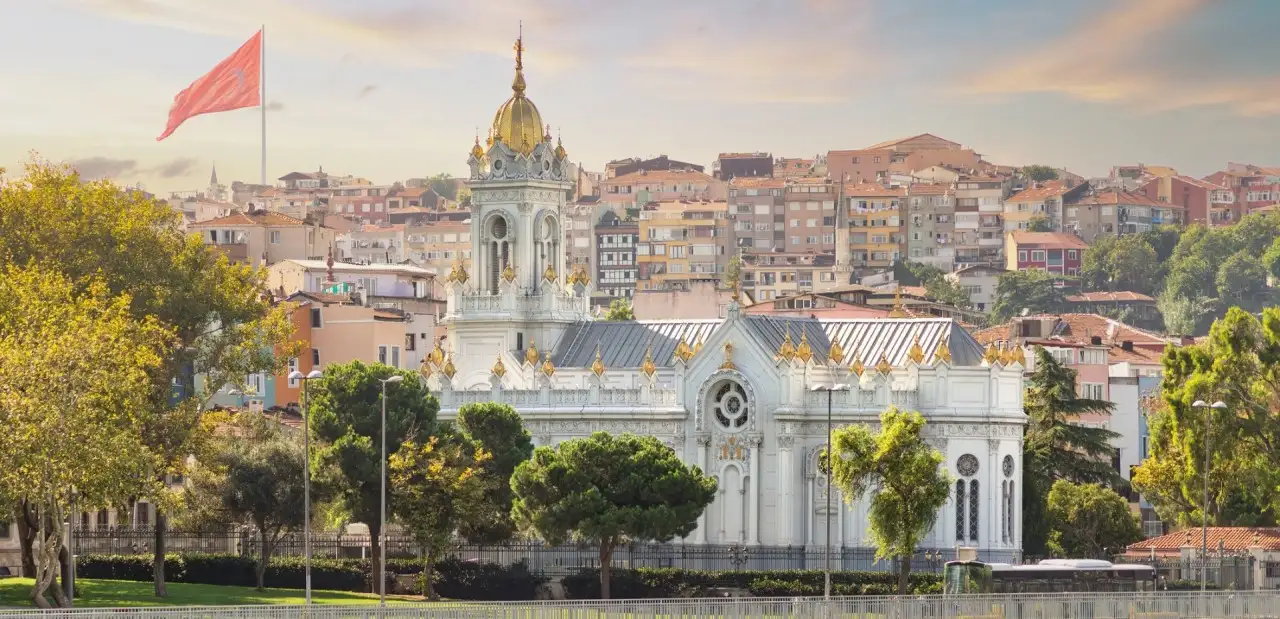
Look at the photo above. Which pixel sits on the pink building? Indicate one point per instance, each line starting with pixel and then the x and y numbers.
pixel 645 186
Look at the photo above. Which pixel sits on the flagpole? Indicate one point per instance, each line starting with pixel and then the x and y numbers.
pixel 262 103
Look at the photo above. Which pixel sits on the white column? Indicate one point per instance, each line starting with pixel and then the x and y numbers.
pixel 753 511
pixel 992 492
pixel 810 521
pixel 704 443
pixel 786 507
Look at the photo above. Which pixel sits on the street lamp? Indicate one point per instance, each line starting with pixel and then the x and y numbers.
pixel 306 475
pixel 382 521
pixel 1204 507
pixel 826 587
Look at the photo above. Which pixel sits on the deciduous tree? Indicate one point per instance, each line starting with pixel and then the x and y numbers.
pixel 346 414
pixel 1040 172
pixel 620 309
pixel 438 487
pixel 906 473
pixel 1089 521
pixel 1033 291
pixel 1039 223
pixel 497 430
pixel 609 490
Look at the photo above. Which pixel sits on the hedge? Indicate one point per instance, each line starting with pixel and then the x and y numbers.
pixel 672 582
pixel 455 579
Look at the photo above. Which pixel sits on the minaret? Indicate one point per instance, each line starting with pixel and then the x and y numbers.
pixel 214 193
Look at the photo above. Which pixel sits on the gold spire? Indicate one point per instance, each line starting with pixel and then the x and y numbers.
pixel 436 356
pixel 803 352
pixel 737 292
pixel 549 273
pixel 517 84
pixel 509 273
pixel 448 370
pixel 597 366
pixel 517 122
pixel 584 277
pixel 1019 356
pixel 424 368
pixel 787 350
pixel 698 346
pixel 531 354
pixel 728 357
pixel 547 367
pixel 499 368
pixel 897 311
pixel 560 152
pixel 683 351
pixel 835 354
pixel 882 366
pixel 647 367
pixel 991 355
pixel 916 353
pixel 476 151
pixel 857 367
pixel 942 352
pixel 457 274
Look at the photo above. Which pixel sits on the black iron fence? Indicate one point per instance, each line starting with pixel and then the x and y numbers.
pixel 552 561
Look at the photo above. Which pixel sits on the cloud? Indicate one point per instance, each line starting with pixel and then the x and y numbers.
pixel 366 91
pixel 412 35
pixel 274 106
pixel 181 166
pixel 107 167
pixel 1116 58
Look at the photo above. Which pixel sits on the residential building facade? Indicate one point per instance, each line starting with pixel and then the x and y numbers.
pixel 1058 253
pixel 773 275
pixel 631 191
pixel 875 225
pixel 616 241
pixel 681 242
pixel 980 281
pixel 263 237
pixel 931 225
pixel 729 166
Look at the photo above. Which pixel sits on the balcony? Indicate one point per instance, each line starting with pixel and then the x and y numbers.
pixel 992 242
pixel 235 252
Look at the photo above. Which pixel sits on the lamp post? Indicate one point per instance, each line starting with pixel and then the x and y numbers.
pixel 826 585
pixel 1204 507
pixel 382 520
pixel 306 476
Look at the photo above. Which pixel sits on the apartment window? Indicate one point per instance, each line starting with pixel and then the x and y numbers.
pixel 795 223
pixel 855 160
pixel 1037 255
pixel 315 357
pixel 1022 255
pixel 1071 254
pixel 395 356
pixel 795 240
pixel 382 355
pixel 316 322
pixel 811 223
pixel 875 160
pixel 364 208
pixel 275 237
pixel 411 342
pixel 1091 391
pixel 293 367
pixel 828 238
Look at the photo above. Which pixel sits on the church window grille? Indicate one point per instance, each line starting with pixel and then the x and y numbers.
pixel 731 406
pixel 960 508
pixel 973 510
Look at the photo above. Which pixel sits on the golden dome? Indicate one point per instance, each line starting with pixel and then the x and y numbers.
pixel 517 121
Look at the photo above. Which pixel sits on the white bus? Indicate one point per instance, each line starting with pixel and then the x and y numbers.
pixel 1047 576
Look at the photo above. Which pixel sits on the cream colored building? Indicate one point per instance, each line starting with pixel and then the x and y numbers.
pixel 374 244
pixel 264 237
pixel 437 245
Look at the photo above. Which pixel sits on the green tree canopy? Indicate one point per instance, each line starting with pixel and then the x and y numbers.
pixel 1033 291
pixel 346 413
pixel 620 309
pixel 907 472
pixel 1055 447
pixel 497 430
pixel 1238 364
pixel 1242 280
pixel 1089 521
pixel 1039 223
pixel 732 276
pixel 937 287
pixel 609 490
pixel 1039 172
pixel 254 476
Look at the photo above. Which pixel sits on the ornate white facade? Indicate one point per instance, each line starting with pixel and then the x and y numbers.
pixel 736 396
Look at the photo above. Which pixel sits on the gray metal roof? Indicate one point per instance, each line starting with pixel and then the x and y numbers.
pixel 772 330
pixel 867 339
pixel 623 343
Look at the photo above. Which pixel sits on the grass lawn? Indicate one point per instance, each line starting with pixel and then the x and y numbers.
pixel 118 593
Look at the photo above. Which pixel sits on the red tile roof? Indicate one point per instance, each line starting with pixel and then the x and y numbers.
pixel 1095 297
pixel 926 189
pixel 1077 327
pixel 656 176
pixel 1047 189
pixel 743 155
pixel 257 218
pixel 1195 182
pixel 873 190
pixel 757 182
pixel 1053 240
pixel 1106 198
pixel 892 143
pixel 1233 539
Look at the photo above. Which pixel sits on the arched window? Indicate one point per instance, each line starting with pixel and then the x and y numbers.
pixel 1004 511
pixel 1012 510
pixel 960 507
pixel 973 511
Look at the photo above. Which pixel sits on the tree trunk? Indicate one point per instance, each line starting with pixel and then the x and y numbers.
pixel 64 572
pixel 429 575
pixel 606 561
pixel 157 560
pixel 27 527
pixel 264 559
pixel 376 571
pixel 903 572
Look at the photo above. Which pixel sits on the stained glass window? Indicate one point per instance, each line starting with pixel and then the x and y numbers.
pixel 960 510
pixel 973 511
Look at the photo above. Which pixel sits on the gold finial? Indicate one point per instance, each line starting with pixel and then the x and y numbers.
pixel 647 368
pixel 584 277
pixel 561 154
pixel 942 352
pixel 546 137
pixel 897 311
pixel 547 367
pixel 549 274
pixel 597 366
pixel 1019 356
pixel 737 292
pixel 476 151
pixel 697 348
pixel 458 274
pixel 728 357
pixel 424 368
pixel 499 368
pixel 803 352
pixel 517 84
pixel 531 354
pixel 787 350
pixel 882 366
pixel 857 367
pixel 835 354
pixel 448 370
pixel 991 356
pixel 683 351
pixel 508 273
pixel 916 353
pixel 436 356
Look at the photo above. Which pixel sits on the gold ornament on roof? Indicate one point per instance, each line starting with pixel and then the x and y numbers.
pixel 583 277
pixel 560 152
pixel 857 367
pixel 549 273
pixel 835 354
pixel 897 311
pixel 697 348
pixel 916 353
pixel 787 350
pixel 424 369
pixel 684 352
pixel 547 367
pixel 804 352
pixel 1019 356
pixel 448 370
pixel 883 366
pixel 991 356
pixel 517 122
pixel 508 273
pixel 436 356
pixel 457 274
pixel 942 352
pixel 597 366
pixel 737 292
pixel 531 354
pixel 499 368
pixel 646 367
pixel 728 357
pixel 476 151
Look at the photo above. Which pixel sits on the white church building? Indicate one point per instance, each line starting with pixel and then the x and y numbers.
pixel 738 397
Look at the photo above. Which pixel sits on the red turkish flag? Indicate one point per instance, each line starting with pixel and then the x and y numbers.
pixel 235 83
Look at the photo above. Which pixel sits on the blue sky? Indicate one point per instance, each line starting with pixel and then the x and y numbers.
pixel 389 89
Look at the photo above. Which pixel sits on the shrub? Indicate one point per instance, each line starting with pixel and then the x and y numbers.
pixel 668 582
pixel 470 580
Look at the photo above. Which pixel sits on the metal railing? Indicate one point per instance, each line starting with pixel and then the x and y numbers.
pixel 1049 606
